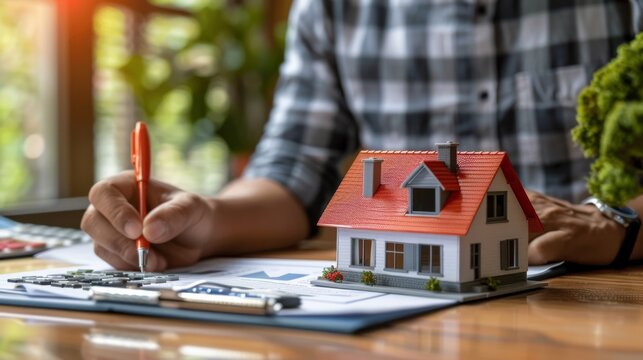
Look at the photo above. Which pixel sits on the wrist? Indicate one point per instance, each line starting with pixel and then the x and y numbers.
pixel 214 228
pixel 637 204
pixel 626 218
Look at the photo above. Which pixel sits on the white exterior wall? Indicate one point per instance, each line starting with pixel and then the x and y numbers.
pixel 490 235
pixel 449 243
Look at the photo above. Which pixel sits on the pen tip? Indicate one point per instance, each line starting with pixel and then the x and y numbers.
pixel 142 259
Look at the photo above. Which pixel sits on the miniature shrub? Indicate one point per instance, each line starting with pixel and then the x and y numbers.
pixel 492 284
pixel 368 278
pixel 610 126
pixel 327 270
pixel 335 276
pixel 332 274
pixel 433 284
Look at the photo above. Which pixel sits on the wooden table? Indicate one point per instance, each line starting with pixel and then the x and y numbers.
pixel 593 315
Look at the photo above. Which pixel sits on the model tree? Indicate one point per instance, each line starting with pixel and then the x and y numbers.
pixel 610 126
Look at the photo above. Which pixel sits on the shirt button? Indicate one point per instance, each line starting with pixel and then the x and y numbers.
pixel 483 95
pixel 481 10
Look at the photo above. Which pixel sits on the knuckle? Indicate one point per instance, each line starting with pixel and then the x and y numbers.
pixel 191 198
pixel 128 255
pixel 184 203
pixel 551 212
pixel 115 255
pixel 89 218
pixel 180 209
pixel 118 215
pixel 101 252
pixel 535 249
pixel 96 191
pixel 547 250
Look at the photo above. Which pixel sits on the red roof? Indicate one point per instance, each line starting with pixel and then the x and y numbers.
pixel 448 179
pixel 387 209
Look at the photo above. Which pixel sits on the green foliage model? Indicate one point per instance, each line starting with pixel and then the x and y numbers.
pixel 368 278
pixel 492 283
pixel 610 126
pixel 433 284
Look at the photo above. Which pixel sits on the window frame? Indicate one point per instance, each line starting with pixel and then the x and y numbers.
pixel 75 84
pixel 355 253
pixel 75 107
pixel 492 205
pixel 475 259
pixel 430 257
pixel 436 202
pixel 509 257
pixel 395 252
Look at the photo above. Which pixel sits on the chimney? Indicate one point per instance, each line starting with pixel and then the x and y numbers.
pixel 448 153
pixel 372 176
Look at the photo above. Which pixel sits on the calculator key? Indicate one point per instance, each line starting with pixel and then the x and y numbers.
pixel 85 279
pixel 36 245
pixel 54 242
pixel 15 245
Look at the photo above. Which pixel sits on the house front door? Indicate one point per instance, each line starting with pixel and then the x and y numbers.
pixel 475 260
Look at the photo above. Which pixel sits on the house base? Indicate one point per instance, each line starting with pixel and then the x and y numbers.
pixel 447 286
pixel 482 293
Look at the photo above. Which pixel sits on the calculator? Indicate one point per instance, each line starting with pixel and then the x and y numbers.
pixel 86 279
pixel 19 239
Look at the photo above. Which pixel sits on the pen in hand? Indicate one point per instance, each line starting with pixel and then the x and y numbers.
pixel 141 159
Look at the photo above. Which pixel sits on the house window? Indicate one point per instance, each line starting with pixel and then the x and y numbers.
pixel 431 259
pixel 423 200
pixel 497 206
pixel 475 260
pixel 363 252
pixel 395 256
pixel 509 254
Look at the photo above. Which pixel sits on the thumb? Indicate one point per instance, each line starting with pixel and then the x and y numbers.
pixel 172 218
pixel 110 198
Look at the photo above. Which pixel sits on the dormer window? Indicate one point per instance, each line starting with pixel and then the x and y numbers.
pixel 429 187
pixel 423 200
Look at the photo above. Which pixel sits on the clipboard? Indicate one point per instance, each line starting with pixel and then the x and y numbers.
pixel 342 313
pixel 343 324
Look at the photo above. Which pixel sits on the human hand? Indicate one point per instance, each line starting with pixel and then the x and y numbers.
pixel 575 233
pixel 177 226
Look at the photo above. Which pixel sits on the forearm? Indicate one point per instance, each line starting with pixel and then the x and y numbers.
pixel 255 215
pixel 637 204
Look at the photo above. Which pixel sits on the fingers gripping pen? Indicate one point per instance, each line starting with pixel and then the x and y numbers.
pixel 141 159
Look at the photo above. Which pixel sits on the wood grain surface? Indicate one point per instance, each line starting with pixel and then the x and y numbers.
pixel 592 315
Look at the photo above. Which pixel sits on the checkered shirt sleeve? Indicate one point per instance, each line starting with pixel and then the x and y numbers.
pixel 406 74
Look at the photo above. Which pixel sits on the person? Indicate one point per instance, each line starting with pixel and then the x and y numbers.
pixel 397 75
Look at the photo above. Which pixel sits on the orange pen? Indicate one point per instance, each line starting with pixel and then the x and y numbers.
pixel 141 159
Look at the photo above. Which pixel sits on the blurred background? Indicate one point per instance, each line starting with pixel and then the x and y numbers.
pixel 75 75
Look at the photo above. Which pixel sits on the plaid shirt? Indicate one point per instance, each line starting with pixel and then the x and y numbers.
pixel 405 74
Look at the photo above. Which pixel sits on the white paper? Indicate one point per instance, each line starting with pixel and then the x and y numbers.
pixel 537 270
pixel 81 254
pixel 286 276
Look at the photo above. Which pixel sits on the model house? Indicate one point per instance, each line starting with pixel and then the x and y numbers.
pixel 408 216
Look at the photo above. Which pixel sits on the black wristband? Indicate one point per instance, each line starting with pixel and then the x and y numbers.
pixel 631 234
